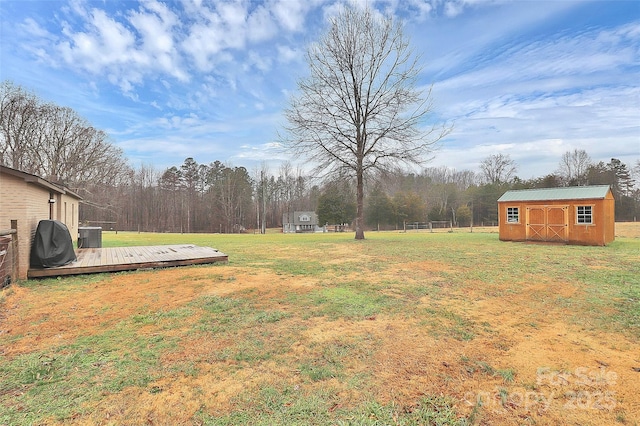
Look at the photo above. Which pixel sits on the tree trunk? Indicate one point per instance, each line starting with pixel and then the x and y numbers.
pixel 360 206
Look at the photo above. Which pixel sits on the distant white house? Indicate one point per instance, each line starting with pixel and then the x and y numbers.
pixel 296 222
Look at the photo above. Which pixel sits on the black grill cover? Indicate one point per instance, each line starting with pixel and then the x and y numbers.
pixel 52 245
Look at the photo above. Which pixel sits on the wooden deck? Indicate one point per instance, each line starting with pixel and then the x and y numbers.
pixel 114 259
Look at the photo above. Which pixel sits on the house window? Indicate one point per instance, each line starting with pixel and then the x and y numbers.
pixel 513 215
pixel 584 214
pixel 305 218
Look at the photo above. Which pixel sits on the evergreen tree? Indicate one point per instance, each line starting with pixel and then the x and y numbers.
pixel 336 205
pixel 379 208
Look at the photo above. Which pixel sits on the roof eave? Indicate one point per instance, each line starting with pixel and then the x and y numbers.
pixel 36 180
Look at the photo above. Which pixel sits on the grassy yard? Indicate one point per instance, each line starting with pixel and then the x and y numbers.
pixel 411 328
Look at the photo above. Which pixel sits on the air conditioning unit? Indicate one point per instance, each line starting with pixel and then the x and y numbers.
pixel 90 237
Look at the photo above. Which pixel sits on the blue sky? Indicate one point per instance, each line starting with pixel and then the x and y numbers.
pixel 209 80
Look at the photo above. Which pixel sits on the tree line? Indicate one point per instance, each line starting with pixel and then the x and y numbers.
pixel 56 143
pixel 467 197
pixel 214 197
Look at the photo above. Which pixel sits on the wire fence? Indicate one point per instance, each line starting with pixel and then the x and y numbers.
pixel 447 226
pixel 430 226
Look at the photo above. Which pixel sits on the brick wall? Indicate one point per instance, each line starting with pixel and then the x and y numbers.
pixel 29 204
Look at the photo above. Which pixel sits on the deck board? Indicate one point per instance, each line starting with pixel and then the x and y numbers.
pixel 114 259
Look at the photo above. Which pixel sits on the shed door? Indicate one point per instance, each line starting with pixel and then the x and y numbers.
pixel 536 223
pixel 547 223
pixel 557 223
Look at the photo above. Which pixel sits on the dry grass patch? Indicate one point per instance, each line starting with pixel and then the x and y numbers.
pixel 401 328
pixel 628 229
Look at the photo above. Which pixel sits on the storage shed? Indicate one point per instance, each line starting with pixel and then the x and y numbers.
pixel 572 215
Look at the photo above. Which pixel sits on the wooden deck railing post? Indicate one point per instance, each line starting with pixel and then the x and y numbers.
pixel 11 254
pixel 16 252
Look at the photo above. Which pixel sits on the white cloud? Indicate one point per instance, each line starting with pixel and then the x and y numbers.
pixel 287 54
pixel 422 7
pixel 534 158
pixel 124 51
pixel 230 27
pixel 538 69
pixel 291 14
pixel 508 86
pixel 37 40
pixel 233 14
pixel 537 131
pixel 453 9
pixel 451 45
pixel 105 46
pixel 157 32
pixel 33 29
pixel 205 40
pixel 261 62
pixel 261 25
pixel 261 153
pixel 157 39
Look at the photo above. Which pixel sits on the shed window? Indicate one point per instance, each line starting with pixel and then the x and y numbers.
pixel 513 215
pixel 584 214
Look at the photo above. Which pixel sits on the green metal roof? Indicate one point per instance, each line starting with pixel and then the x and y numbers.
pixel 566 193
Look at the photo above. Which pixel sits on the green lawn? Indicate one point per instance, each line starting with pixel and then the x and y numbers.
pixel 609 275
pixel 316 329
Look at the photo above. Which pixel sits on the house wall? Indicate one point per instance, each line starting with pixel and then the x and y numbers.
pixel 592 234
pixel 68 213
pixel 511 231
pixel 600 232
pixel 292 223
pixel 609 214
pixel 28 203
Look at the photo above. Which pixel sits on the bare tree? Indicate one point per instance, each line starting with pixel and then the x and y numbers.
pixel 54 142
pixel 359 110
pixel 574 167
pixel 290 186
pixel 19 112
pixel 235 197
pixel 190 177
pixel 498 168
pixel 169 192
pixel 263 196
pixel 445 191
